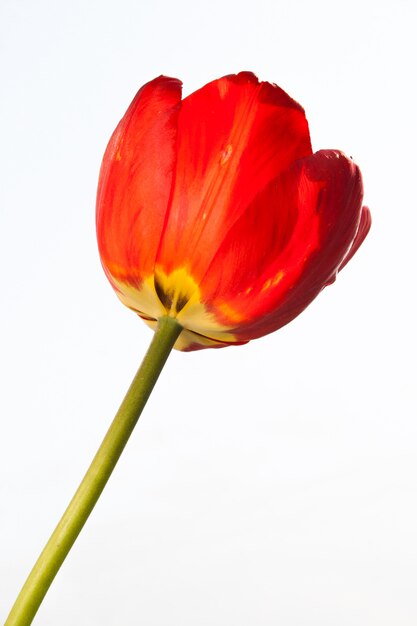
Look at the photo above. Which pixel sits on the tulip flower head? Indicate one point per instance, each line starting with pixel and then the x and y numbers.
pixel 215 211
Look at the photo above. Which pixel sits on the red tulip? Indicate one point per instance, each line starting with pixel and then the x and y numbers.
pixel 215 211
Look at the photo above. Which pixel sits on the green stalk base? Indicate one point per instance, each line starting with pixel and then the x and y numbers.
pixel 94 481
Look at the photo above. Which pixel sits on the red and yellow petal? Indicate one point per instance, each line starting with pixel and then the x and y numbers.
pixel 235 135
pixel 325 191
pixel 135 182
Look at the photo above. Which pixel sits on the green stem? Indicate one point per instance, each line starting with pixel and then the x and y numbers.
pixel 94 481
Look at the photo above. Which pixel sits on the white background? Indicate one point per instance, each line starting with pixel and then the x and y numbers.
pixel 269 484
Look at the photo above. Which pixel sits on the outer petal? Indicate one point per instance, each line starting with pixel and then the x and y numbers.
pixel 261 285
pixel 235 135
pixel 135 182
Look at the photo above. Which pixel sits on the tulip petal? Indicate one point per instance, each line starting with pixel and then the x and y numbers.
pixel 135 182
pixel 309 219
pixel 235 135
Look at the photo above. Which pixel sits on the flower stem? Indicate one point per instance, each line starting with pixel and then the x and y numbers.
pixel 94 481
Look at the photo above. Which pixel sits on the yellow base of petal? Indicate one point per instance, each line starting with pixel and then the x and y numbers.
pixel 176 295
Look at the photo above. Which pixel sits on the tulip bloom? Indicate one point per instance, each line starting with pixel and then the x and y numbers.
pixel 215 211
